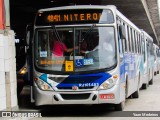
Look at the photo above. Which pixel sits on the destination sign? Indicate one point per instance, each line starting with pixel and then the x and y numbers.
pixel 73 17
pixel 76 16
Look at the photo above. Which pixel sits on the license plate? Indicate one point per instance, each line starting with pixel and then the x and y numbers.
pixel 106 96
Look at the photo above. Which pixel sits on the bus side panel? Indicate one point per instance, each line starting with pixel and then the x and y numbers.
pixel 134 72
pixel 141 70
pixel 130 82
pixel 122 78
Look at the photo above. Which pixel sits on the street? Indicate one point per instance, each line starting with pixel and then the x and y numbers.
pixel 149 100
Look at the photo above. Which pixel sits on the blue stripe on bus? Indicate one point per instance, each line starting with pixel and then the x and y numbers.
pixel 86 80
pixel 122 71
pixel 43 77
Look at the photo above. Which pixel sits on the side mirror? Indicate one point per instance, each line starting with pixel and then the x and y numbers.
pixel 28 34
pixel 29 31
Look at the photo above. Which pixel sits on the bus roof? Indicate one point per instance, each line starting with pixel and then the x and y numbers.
pixel 155 45
pixel 147 35
pixel 113 7
pixel 126 20
pixel 79 7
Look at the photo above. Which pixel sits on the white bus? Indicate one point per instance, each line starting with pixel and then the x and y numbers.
pixel 148 60
pixel 156 59
pixel 99 58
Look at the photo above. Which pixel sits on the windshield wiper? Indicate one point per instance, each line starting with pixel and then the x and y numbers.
pixel 84 36
pixel 57 34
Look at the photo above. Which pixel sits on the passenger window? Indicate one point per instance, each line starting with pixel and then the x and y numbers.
pixel 131 44
pixel 128 39
pixel 122 35
pixel 136 45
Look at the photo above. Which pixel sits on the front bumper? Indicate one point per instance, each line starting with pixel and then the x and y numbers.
pixel 75 97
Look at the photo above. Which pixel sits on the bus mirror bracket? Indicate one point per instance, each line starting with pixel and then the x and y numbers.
pixel 29 30
pixel 27 38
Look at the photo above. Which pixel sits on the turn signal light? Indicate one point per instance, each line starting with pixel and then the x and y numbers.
pixel 115 76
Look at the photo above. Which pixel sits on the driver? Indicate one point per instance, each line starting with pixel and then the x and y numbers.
pixel 59 47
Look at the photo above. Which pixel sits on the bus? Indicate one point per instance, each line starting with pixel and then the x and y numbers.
pixel 148 56
pixel 156 59
pixel 99 58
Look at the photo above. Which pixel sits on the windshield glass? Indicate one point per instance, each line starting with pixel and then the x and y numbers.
pixel 75 49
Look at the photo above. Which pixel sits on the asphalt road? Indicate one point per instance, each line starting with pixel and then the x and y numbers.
pixel 147 103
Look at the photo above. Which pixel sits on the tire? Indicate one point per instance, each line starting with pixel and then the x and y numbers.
pixel 20 85
pixel 136 94
pixel 144 86
pixel 151 82
pixel 157 72
pixel 120 106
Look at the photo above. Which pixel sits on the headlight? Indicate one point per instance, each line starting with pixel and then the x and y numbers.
pixel 23 71
pixel 42 85
pixel 108 83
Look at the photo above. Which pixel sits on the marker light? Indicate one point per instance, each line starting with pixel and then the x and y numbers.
pixel 35 79
pixel 115 76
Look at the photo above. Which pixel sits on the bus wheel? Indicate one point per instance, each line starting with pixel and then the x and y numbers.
pixel 120 106
pixel 144 86
pixel 151 82
pixel 136 94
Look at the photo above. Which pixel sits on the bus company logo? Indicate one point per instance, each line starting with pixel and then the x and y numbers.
pixel 6 114
pixel 74 88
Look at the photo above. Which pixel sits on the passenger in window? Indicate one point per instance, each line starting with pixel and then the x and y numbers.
pixel 90 44
pixel 83 47
pixel 90 48
pixel 59 46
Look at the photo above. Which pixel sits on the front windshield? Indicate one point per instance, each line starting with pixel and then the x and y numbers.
pixel 75 49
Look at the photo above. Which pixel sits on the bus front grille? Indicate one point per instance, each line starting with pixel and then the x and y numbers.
pixel 75 96
pixel 70 88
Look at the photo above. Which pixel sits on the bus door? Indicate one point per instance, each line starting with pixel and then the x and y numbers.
pixel 29 37
pixel 145 63
pixel 150 60
pixel 121 41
